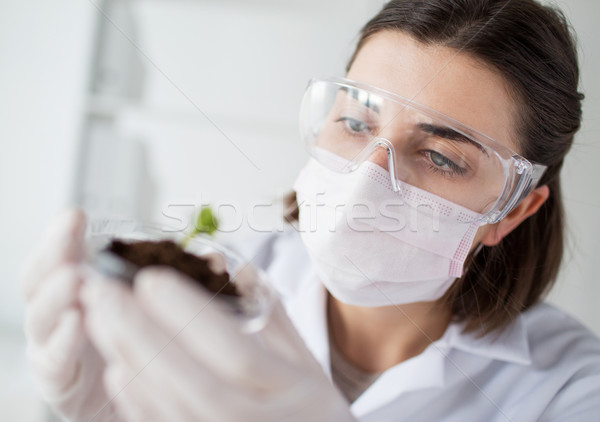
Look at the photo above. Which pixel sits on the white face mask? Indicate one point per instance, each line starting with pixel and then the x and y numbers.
pixel 372 246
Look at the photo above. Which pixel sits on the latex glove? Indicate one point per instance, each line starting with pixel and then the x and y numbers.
pixel 66 366
pixel 174 354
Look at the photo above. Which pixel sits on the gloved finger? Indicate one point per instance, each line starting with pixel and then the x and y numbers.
pixel 216 262
pixel 58 292
pixel 61 243
pixel 199 397
pixel 138 397
pixel 54 361
pixel 116 383
pixel 129 338
pixel 111 315
pixel 120 328
pixel 204 327
pixel 123 335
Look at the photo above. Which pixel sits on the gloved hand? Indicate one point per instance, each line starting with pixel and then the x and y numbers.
pixel 67 368
pixel 175 354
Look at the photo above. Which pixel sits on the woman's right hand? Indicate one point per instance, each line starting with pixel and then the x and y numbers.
pixel 68 369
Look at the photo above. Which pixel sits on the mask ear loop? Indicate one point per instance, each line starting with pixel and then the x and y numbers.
pixel 470 259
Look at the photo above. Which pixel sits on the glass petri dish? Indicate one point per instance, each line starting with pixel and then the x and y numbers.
pixel 254 305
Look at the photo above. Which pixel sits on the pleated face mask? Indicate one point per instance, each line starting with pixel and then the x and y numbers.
pixel 372 246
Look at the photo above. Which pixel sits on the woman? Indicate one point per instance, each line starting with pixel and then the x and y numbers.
pixel 430 227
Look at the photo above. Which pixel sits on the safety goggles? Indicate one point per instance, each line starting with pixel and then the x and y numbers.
pixel 417 145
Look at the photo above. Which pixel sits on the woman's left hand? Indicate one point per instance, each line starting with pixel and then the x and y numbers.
pixel 174 353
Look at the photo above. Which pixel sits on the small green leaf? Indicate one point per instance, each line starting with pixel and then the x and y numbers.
pixel 206 222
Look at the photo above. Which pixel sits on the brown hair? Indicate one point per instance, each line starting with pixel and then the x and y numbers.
pixel 533 48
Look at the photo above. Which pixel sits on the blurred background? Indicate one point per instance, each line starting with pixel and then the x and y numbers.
pixel 148 109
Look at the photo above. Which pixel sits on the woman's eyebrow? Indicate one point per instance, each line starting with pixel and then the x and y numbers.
pixel 450 134
pixel 442 131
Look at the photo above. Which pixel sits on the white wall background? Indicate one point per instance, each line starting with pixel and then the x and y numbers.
pixel 43 67
pixel 243 64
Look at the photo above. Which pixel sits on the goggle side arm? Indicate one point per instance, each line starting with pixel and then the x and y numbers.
pixel 530 176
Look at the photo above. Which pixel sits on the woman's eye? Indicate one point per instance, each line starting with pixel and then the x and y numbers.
pixel 439 160
pixel 443 163
pixel 354 125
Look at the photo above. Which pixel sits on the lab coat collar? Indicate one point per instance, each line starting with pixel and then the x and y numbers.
pixel 423 371
pixel 428 370
pixel 511 345
pixel 307 309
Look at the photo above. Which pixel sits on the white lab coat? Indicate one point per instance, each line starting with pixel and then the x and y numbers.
pixel 544 367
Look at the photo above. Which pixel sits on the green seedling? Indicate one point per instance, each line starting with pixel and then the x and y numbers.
pixel 206 222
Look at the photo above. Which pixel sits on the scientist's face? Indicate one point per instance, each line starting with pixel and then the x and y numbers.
pixel 445 80
pixel 441 78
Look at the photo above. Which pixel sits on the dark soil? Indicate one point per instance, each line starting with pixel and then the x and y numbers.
pixel 168 253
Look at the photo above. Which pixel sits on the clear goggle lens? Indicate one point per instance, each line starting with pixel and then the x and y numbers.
pixel 416 145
